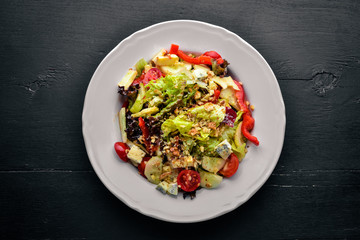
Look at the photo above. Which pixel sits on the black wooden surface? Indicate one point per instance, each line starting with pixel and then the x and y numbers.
pixel 49 51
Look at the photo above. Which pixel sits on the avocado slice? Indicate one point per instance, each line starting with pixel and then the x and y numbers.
pixel 212 164
pixel 229 94
pixel 238 137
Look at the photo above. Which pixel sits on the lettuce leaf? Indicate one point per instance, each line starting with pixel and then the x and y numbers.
pixel 140 65
pixel 209 111
pixel 179 123
pixel 168 88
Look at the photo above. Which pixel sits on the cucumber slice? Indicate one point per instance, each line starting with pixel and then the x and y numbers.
pixel 209 180
pixel 153 170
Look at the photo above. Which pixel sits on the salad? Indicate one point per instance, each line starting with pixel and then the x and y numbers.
pixel 185 122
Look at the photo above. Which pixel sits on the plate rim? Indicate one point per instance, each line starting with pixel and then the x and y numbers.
pixel 144 211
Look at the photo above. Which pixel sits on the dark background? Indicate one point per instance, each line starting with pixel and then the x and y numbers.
pixel 48 53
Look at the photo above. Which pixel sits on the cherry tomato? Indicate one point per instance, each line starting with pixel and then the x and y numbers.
pixel 212 54
pixel 138 80
pixel 231 166
pixel 188 180
pixel 120 149
pixel 152 74
pixel 142 165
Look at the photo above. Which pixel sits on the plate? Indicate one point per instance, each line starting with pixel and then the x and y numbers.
pixel 101 130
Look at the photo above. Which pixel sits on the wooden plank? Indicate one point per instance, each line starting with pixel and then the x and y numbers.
pixel 322 122
pixel 299 39
pixel 75 205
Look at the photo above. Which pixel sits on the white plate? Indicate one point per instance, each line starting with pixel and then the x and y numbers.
pixel 101 130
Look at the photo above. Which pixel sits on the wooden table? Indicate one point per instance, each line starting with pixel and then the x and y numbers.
pixel 49 51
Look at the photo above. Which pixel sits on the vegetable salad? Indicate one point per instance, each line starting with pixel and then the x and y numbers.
pixel 185 122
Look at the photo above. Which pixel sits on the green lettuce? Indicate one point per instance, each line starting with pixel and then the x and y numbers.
pixel 209 111
pixel 138 104
pixel 174 91
pixel 169 88
pixel 179 123
pixel 140 65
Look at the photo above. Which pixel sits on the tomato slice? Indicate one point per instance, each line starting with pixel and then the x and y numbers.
pixel 152 74
pixel 231 166
pixel 120 149
pixel 188 180
pixel 145 78
pixel 142 165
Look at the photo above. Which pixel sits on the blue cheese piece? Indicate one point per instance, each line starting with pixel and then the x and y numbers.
pixel 224 149
pixel 170 188
pixel 163 187
pixel 173 189
pixel 136 154
pixel 199 74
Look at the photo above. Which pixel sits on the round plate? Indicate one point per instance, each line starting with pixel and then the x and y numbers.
pixel 101 130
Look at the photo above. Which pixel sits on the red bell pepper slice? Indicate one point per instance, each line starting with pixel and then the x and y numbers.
pixel 240 96
pixel 248 125
pixel 146 136
pixel 205 58
pixel 198 60
pixel 174 49
pixel 248 120
pixel 216 96
pixel 145 133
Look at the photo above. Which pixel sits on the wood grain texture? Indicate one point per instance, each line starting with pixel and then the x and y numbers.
pixel 49 51
pixel 75 205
